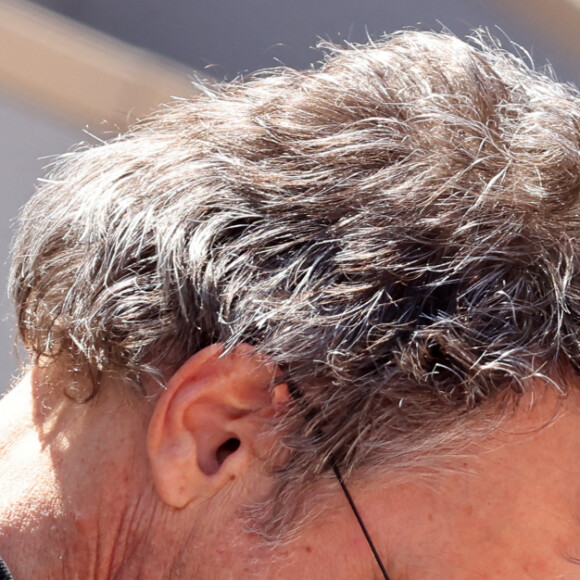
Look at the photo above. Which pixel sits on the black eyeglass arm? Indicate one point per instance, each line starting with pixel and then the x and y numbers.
pixel 359 519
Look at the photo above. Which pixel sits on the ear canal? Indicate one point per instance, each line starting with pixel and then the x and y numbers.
pixel 210 463
pixel 226 449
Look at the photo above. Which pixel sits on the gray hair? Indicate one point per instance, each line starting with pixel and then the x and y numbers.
pixel 398 230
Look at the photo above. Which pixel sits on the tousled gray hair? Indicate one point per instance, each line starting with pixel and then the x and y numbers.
pixel 398 230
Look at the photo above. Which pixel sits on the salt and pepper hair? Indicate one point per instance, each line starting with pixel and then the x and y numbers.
pixel 397 229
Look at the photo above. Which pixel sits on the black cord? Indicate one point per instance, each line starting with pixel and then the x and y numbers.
pixel 359 519
pixel 296 394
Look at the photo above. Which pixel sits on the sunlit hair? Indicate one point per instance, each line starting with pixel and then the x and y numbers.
pixel 398 230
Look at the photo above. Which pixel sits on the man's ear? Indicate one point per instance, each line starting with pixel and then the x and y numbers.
pixel 204 431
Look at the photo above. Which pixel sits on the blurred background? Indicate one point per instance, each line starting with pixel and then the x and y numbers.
pixel 81 70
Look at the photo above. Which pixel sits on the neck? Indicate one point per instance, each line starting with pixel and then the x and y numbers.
pixel 60 460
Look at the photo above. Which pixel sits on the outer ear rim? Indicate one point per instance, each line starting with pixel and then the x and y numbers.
pixel 175 445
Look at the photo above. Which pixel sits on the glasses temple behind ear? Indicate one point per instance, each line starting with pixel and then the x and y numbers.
pixel 359 519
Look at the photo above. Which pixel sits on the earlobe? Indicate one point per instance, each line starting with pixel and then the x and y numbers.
pixel 206 426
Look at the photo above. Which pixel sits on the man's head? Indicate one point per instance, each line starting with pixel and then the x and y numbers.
pixel 385 248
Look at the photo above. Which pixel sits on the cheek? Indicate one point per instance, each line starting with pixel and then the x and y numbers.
pixel 328 553
pixel 331 547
